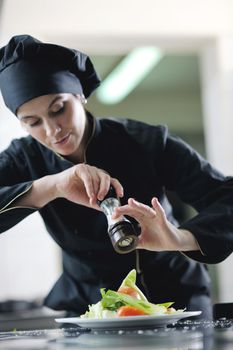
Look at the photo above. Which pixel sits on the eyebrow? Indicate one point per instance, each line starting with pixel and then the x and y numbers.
pixel 54 100
pixel 50 105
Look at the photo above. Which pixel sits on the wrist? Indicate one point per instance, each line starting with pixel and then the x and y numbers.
pixel 51 186
pixel 186 240
pixel 45 190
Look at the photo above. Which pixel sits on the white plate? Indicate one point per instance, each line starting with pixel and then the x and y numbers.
pixel 128 321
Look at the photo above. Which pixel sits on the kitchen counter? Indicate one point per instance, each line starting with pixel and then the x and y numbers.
pixel 37 318
pixel 184 335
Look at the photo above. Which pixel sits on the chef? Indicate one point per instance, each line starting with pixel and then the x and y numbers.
pixel 69 160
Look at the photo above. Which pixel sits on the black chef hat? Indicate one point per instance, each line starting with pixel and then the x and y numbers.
pixel 30 68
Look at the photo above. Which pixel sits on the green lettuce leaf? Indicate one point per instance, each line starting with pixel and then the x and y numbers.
pixel 130 281
pixel 112 300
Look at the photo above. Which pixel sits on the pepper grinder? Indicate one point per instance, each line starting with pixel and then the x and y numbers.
pixel 122 232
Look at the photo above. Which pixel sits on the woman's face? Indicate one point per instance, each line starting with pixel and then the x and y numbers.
pixel 57 121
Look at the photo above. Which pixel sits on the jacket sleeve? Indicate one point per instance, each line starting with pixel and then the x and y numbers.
pixel 14 182
pixel 208 191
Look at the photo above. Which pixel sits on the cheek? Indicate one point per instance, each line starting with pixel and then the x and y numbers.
pixel 80 121
pixel 79 128
pixel 36 133
pixel 75 119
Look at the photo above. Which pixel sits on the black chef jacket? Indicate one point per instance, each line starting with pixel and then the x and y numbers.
pixel 146 160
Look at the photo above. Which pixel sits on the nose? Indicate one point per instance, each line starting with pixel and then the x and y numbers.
pixel 52 128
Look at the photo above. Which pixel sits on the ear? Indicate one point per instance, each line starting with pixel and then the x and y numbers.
pixel 81 98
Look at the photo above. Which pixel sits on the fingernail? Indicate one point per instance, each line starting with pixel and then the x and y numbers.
pixel 100 196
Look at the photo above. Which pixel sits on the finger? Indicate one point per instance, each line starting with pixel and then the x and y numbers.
pixel 122 210
pixel 157 206
pixel 116 214
pixel 118 187
pixel 104 185
pixel 141 208
pixel 126 210
pixel 136 210
pixel 96 179
pixel 82 173
pixel 105 181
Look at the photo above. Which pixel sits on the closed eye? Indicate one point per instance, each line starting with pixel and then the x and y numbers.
pixel 35 123
pixel 59 111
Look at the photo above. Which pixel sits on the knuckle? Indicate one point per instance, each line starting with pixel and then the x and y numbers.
pixel 80 167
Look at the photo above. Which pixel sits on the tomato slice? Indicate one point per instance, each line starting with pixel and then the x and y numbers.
pixel 130 311
pixel 130 291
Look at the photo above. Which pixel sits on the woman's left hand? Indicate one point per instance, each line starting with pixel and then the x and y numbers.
pixel 157 233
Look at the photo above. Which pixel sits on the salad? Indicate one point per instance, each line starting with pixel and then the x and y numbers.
pixel 127 301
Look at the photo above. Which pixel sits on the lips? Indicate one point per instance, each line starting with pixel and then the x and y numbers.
pixel 63 140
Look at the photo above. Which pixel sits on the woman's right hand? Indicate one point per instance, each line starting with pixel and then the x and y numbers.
pixel 84 184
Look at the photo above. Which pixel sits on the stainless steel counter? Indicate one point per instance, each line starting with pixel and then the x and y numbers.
pixel 37 318
pixel 186 335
